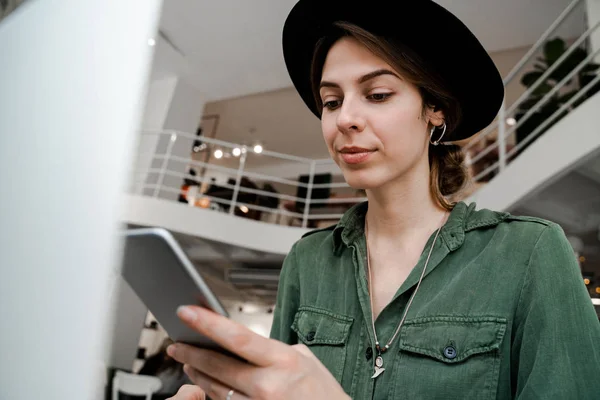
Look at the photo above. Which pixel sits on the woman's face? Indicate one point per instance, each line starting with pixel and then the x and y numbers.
pixel 372 119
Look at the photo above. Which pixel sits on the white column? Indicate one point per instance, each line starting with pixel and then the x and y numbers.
pixel 158 99
pixel 72 78
pixel 172 103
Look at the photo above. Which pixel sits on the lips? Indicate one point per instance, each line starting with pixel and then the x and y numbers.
pixel 355 155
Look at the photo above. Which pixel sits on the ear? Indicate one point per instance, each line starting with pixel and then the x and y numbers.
pixel 435 116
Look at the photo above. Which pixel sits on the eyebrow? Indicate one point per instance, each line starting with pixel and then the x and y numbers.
pixel 362 79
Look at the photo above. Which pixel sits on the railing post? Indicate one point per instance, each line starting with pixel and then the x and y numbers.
pixel 311 179
pixel 501 139
pixel 165 163
pixel 238 180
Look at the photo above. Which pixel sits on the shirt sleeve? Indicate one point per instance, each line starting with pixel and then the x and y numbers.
pixel 288 298
pixel 556 341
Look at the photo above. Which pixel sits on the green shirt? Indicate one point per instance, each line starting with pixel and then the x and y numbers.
pixel 501 313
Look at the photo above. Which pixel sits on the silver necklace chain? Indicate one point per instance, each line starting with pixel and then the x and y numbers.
pixel 379 360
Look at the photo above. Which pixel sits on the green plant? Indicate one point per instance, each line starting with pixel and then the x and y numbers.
pixel 552 51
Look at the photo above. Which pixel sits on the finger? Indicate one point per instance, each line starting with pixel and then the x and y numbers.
pixel 189 392
pixel 215 389
pixel 234 337
pixel 233 373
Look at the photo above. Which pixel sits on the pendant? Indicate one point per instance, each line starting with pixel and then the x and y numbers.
pixel 378 367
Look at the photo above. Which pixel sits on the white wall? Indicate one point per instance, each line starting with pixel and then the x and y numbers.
pixel 158 100
pixel 593 15
pixel 72 79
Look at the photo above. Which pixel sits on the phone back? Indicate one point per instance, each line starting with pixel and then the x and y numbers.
pixel 162 276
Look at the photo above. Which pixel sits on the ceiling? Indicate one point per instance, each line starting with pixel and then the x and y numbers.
pixel 232 47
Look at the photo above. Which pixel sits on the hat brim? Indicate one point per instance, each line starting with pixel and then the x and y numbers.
pixel 436 35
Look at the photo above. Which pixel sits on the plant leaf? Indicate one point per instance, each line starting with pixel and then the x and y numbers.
pixel 569 64
pixel 553 49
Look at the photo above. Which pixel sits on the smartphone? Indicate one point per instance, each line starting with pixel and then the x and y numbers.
pixel 164 278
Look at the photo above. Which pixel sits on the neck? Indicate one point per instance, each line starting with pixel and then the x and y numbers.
pixel 404 209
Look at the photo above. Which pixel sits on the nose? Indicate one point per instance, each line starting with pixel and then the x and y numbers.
pixel 349 118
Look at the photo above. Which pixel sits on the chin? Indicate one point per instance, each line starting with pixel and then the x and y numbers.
pixel 362 179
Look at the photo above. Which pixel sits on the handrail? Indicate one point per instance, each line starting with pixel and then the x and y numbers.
pixel 517 68
pixel 172 165
pixel 535 85
pixel 499 125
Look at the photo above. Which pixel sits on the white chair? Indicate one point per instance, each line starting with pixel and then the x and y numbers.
pixel 134 385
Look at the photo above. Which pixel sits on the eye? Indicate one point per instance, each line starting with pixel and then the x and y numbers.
pixel 331 105
pixel 379 97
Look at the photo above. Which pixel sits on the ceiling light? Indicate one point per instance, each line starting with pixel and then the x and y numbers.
pixel 586 281
pixel 151 42
pixel 237 151
pixel 598 290
pixel 218 154
pixel 258 149
pixel 511 121
pixel 244 209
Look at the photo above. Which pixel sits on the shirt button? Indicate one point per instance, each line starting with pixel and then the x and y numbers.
pixel 450 352
pixel 369 353
pixel 311 336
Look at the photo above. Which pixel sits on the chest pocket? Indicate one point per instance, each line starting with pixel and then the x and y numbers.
pixel 449 358
pixel 326 335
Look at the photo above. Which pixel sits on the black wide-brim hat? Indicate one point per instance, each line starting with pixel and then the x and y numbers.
pixel 436 35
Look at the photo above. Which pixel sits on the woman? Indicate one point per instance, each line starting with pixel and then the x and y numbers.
pixel 409 295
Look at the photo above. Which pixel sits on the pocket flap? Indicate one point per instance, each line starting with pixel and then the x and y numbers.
pixel 317 326
pixel 452 339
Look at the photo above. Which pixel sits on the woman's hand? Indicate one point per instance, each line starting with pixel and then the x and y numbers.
pixel 274 370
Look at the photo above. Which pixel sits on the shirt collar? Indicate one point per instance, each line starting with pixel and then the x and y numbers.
pixel 463 218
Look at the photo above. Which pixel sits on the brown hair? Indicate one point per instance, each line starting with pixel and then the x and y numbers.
pixel 448 174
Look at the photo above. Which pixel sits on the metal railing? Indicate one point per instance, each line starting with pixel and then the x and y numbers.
pixel 165 175
pixel 480 151
pixel 165 169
